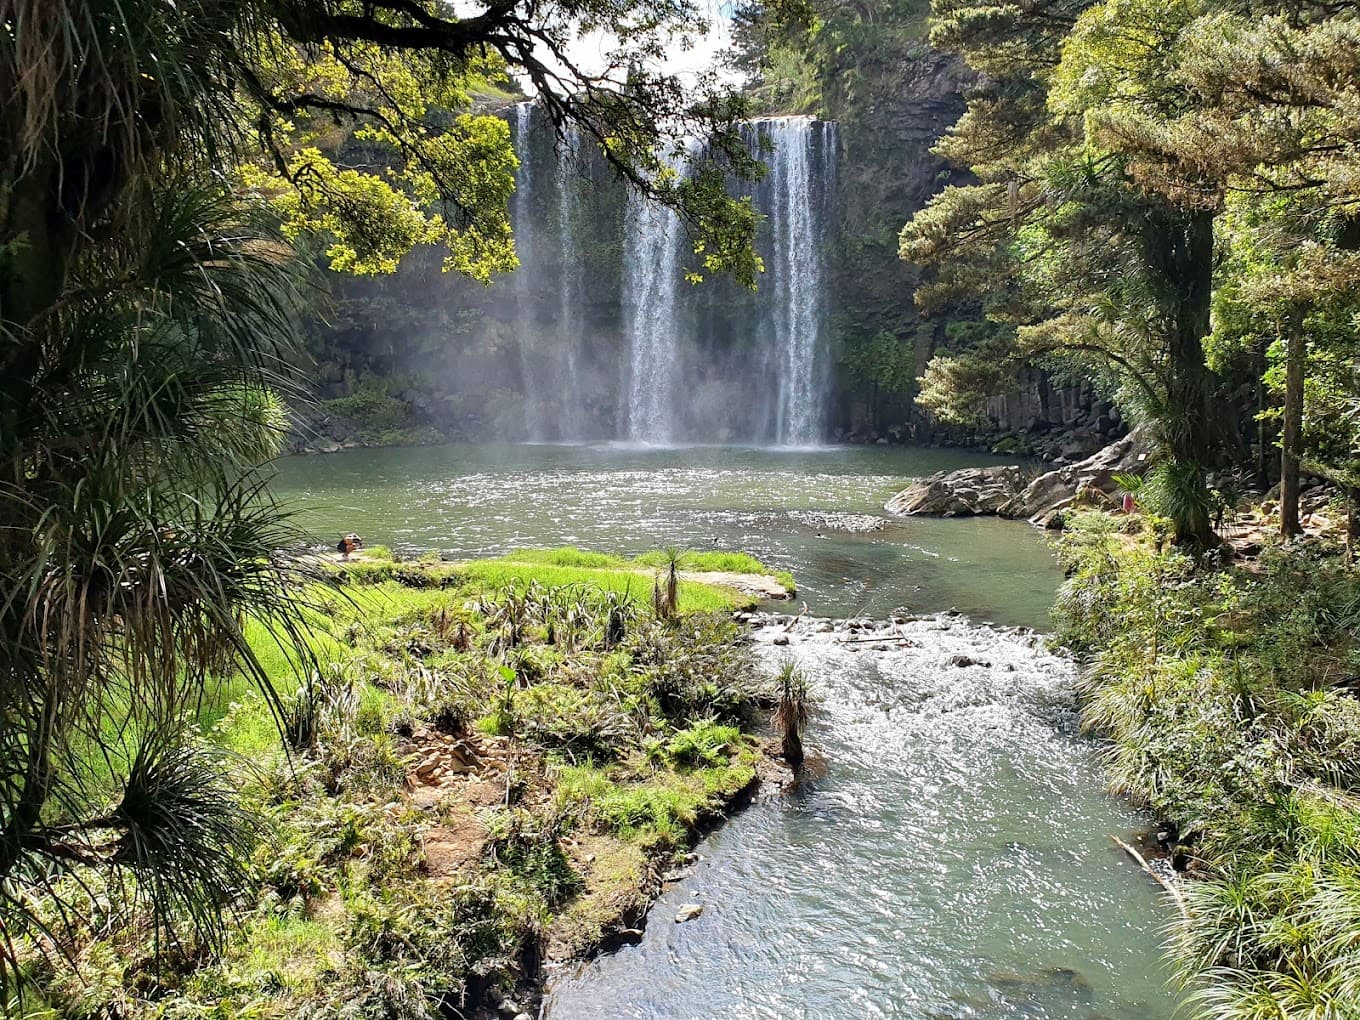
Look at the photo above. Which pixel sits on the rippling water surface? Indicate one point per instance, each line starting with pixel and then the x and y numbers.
pixel 954 861
pixel 795 509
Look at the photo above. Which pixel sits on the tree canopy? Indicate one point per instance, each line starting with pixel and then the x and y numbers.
pixel 105 92
pixel 1108 140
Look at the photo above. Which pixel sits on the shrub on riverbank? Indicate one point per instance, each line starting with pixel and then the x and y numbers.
pixel 478 776
pixel 1229 699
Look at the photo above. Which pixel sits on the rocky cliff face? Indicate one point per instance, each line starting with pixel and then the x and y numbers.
pixel 891 114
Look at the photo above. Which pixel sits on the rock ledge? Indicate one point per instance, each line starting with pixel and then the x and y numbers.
pixel 1006 491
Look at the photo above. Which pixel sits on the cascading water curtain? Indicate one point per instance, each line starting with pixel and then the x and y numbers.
pixel 522 219
pixel 707 364
pixel 652 278
pixel 799 185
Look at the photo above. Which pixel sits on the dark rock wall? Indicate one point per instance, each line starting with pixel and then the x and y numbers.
pixel 890 119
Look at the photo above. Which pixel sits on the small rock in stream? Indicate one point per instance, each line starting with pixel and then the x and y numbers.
pixel 963 661
pixel 782 639
pixel 688 912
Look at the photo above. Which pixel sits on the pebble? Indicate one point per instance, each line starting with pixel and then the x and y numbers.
pixel 688 912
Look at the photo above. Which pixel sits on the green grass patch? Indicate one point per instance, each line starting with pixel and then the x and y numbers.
pixel 706 560
pixel 566 556
pixel 695 596
pixel 561 567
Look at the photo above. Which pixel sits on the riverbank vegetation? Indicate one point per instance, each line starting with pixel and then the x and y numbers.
pixel 1229 697
pixel 475 777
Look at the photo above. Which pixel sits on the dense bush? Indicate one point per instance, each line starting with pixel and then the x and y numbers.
pixel 1229 700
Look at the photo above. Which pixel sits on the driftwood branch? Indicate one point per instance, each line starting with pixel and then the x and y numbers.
pixel 1170 887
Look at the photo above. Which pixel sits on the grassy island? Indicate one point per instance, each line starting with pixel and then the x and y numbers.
pixel 486 765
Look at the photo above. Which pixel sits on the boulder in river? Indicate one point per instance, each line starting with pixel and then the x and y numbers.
pixel 964 661
pixel 966 493
pixel 1003 491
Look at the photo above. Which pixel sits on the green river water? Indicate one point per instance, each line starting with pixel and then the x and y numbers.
pixel 955 860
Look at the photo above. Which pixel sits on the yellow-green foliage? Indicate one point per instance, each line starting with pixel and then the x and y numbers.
pixel 368 221
pixel 1228 699
pixel 562 567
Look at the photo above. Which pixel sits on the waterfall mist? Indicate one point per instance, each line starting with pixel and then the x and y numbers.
pixel 613 342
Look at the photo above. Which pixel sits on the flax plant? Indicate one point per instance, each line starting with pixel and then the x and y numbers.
pixel 136 540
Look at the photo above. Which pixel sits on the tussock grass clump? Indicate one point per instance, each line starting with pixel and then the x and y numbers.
pixel 1229 697
pixel 791 712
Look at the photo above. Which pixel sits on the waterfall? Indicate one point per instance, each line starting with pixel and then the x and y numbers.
pixel 571 283
pixel 611 340
pixel 686 385
pixel 549 288
pixel 525 320
pixel 796 274
pixel 652 256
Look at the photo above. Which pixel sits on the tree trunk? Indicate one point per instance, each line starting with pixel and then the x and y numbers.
pixel 792 748
pixel 1191 265
pixel 1184 251
pixel 1352 521
pixel 1296 359
pixel 1265 433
